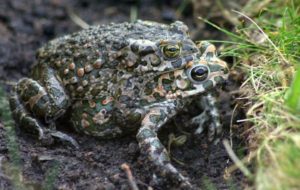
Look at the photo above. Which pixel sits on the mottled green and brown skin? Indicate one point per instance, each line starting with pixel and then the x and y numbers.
pixel 121 78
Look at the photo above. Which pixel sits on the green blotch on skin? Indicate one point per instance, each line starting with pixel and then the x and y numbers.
pixel 148 88
pixel 218 79
pixel 134 117
pixel 147 133
pixel 148 91
pixel 144 102
pixel 156 144
pixel 208 84
pixel 215 67
pixel 95 91
pixel 167 81
pixel 157 96
pixel 154 118
pixel 28 89
pixel 41 106
pixel 167 87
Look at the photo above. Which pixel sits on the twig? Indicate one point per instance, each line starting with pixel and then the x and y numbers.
pixel 6 82
pixel 2 175
pixel 231 124
pixel 234 167
pixel 236 160
pixel 182 6
pixel 76 19
pixel 234 21
pixel 5 177
pixel 133 13
pixel 131 180
pixel 1 160
pixel 230 131
pixel 248 8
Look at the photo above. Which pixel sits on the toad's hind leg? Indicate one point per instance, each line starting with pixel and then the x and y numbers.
pixel 153 148
pixel 36 104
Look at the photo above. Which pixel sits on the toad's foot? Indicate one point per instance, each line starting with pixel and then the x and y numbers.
pixel 209 115
pixel 64 138
pixel 35 108
pixel 34 126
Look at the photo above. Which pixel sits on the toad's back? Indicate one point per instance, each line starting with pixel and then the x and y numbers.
pixel 104 38
pixel 77 59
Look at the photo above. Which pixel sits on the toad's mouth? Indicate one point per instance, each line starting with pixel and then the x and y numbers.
pixel 193 80
pixel 177 84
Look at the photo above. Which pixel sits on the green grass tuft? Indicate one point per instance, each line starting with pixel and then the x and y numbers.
pixel 292 98
pixel 266 50
pixel 14 169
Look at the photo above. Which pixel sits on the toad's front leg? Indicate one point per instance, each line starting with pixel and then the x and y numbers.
pixel 210 116
pixel 35 104
pixel 153 148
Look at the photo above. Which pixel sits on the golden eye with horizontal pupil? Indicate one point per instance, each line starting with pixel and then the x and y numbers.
pixel 198 73
pixel 171 51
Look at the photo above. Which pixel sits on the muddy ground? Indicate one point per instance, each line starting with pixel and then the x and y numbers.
pixel 25 26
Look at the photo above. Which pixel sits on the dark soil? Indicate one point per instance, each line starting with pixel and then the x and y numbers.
pixel 27 25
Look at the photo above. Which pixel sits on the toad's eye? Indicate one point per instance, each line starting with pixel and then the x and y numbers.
pixel 198 73
pixel 171 51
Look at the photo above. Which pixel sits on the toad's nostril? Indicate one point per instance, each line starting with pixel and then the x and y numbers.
pixel 189 64
pixel 226 83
